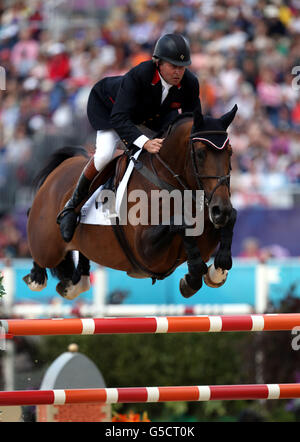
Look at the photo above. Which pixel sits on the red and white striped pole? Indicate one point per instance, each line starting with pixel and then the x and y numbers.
pixel 159 324
pixel 150 394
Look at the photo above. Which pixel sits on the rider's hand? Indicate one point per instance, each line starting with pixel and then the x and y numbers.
pixel 153 146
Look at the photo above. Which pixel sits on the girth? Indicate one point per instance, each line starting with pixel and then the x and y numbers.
pixel 137 265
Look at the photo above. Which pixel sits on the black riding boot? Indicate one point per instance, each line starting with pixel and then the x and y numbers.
pixel 68 218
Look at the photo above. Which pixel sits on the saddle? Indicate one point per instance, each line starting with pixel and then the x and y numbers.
pixel 112 174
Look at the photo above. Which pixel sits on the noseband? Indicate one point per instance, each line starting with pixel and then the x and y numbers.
pixel 221 179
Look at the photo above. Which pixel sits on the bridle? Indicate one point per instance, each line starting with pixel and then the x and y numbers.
pixel 154 178
pixel 222 179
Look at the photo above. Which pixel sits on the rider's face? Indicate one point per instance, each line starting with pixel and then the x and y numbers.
pixel 171 74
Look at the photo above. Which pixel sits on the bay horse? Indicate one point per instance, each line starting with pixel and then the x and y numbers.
pixel 195 156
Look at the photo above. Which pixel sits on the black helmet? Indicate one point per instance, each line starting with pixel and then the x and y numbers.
pixel 173 48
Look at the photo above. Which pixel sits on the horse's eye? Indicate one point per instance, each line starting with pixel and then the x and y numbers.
pixel 200 154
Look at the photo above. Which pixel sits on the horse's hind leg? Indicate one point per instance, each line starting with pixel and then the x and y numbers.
pixel 81 275
pixel 74 280
pixel 36 280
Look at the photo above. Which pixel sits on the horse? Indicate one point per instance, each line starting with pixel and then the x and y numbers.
pixel 195 156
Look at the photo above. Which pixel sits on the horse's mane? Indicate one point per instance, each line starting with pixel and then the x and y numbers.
pixel 54 160
pixel 179 119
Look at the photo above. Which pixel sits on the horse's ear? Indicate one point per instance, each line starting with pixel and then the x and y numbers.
pixel 198 118
pixel 227 119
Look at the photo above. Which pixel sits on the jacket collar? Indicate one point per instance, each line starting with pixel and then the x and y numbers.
pixel 155 78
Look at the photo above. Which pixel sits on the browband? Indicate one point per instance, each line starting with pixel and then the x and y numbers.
pixel 216 139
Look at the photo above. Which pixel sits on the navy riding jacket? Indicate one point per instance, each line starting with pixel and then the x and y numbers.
pixel 123 102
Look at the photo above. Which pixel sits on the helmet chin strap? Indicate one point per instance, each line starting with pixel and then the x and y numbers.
pixel 158 68
pixel 158 64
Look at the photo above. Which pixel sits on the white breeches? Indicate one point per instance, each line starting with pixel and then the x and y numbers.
pixel 106 145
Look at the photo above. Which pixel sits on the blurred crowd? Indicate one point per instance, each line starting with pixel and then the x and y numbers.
pixel 243 51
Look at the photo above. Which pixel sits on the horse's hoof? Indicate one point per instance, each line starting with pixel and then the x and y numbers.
pixel 62 289
pixel 215 277
pixel 70 291
pixel 33 285
pixel 185 289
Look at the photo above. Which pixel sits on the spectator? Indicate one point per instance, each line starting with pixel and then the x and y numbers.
pixel 250 249
pixel 24 53
pixel 296 114
pixel 58 63
pixel 18 149
pixel 269 94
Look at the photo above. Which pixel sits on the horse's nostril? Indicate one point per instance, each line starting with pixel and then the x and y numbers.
pixel 219 215
pixel 216 211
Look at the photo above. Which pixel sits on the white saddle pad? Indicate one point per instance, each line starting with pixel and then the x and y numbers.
pixel 95 212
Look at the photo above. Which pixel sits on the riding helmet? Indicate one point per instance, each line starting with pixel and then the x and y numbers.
pixel 173 48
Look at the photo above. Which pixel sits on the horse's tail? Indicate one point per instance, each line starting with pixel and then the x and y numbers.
pixel 55 160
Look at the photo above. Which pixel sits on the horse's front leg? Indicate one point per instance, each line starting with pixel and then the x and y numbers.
pixel 192 281
pixel 218 271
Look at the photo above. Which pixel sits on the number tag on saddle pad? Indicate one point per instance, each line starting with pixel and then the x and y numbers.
pixel 97 211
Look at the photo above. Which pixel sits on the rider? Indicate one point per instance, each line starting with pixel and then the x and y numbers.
pixel 150 94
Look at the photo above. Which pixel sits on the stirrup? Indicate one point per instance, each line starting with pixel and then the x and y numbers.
pixel 63 212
